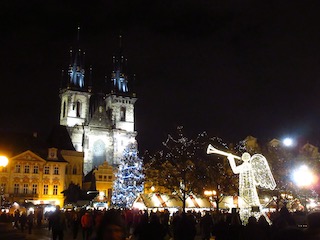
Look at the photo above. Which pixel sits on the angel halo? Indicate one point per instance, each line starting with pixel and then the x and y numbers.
pixel 253 172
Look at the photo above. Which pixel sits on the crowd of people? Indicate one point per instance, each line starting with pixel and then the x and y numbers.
pixel 143 225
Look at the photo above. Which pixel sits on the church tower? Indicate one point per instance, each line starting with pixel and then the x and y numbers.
pixel 75 96
pixel 100 124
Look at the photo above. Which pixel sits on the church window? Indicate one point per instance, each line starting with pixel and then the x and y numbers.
pixel 16 188
pixel 64 109
pixel 78 109
pixel 122 114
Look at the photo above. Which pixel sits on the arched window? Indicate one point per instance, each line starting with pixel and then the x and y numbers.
pixel 123 114
pixel 64 109
pixel 78 109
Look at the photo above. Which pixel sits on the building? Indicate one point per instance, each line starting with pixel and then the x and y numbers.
pixel 38 171
pixel 100 179
pixel 100 124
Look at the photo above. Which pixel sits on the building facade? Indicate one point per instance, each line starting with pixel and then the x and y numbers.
pixel 99 124
pixel 39 178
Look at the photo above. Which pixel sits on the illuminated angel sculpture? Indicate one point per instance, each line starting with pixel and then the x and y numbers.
pixel 253 172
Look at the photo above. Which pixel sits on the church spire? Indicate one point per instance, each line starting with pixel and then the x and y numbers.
pixel 76 68
pixel 119 76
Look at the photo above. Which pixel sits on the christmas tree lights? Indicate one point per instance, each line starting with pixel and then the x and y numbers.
pixel 129 178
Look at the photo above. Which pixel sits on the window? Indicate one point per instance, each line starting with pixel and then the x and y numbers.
pixel 64 109
pixel 34 188
pixel 100 177
pixel 74 170
pixel 35 169
pixel 109 177
pixel 26 169
pixel 2 188
pixel 45 189
pixel 18 168
pixel 46 170
pixel 56 171
pixel 25 188
pixel 78 109
pixel 16 188
pixel 122 114
pixel 4 169
pixel 55 190
pixel 104 177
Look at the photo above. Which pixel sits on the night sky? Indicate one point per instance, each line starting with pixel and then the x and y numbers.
pixel 231 68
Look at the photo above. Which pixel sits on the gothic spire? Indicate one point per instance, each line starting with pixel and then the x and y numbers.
pixel 119 76
pixel 76 68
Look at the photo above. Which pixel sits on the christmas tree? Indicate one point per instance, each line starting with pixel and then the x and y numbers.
pixel 129 178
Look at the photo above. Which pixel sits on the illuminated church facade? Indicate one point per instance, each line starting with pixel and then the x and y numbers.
pixel 100 124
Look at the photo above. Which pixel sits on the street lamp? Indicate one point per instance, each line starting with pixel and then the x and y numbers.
pixel 303 178
pixel 3 163
pixel 210 194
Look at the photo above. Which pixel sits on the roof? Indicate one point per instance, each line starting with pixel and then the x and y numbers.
pixel 157 200
pixel 60 138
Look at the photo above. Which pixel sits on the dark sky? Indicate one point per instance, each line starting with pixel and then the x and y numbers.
pixel 231 68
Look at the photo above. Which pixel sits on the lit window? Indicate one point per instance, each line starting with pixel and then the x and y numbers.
pixel 56 171
pixel 25 188
pixel 35 169
pixel 46 170
pixel 55 190
pixel 2 188
pixel 45 189
pixel 34 188
pixel 16 188
pixel 17 168
pixel 27 169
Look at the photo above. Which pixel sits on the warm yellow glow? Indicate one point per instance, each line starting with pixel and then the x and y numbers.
pixel 3 161
pixel 153 188
pixel 210 193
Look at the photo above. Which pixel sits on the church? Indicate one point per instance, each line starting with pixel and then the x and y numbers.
pixel 100 123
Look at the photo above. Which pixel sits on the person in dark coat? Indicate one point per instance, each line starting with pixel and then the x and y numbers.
pixel 23 221
pixel 58 224
pixel 206 226
pixel 112 226
pixel 30 220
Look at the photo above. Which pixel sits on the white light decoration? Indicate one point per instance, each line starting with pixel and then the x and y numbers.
pixel 129 178
pixel 253 172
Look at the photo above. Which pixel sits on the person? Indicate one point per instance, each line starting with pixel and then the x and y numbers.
pixel 58 224
pixel 87 225
pixel 23 221
pixel 75 224
pixel 206 226
pixel 112 226
pixel 30 222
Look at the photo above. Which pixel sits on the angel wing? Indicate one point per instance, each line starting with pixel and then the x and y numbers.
pixel 261 171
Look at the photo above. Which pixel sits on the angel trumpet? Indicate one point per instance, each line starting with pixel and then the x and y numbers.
pixel 211 149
